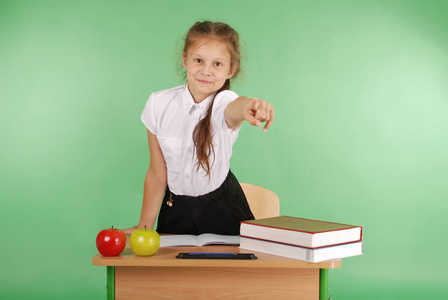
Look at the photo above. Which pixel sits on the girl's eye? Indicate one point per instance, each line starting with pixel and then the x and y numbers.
pixel 198 60
pixel 218 64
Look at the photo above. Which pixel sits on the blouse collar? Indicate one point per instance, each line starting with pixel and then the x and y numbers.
pixel 189 102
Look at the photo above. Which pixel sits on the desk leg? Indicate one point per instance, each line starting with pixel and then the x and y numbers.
pixel 323 284
pixel 110 283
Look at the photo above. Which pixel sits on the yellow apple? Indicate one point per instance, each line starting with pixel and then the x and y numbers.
pixel 145 241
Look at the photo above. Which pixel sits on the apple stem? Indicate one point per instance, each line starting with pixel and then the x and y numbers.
pixel 145 227
pixel 112 227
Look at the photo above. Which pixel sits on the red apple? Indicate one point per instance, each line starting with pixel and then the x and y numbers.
pixel 110 242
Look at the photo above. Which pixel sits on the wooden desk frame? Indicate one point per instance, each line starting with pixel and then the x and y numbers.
pixel 279 272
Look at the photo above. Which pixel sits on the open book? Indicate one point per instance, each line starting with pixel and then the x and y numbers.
pixel 198 240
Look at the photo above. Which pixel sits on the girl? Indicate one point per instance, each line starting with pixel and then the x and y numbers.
pixel 191 130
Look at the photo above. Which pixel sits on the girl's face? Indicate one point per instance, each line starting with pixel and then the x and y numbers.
pixel 208 66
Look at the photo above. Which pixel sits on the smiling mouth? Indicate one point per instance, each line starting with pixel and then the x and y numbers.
pixel 204 81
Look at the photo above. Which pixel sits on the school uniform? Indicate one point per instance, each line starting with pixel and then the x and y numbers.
pixel 194 202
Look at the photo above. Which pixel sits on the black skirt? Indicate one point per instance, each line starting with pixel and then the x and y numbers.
pixel 219 211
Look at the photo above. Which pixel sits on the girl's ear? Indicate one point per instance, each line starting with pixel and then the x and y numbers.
pixel 184 60
pixel 232 70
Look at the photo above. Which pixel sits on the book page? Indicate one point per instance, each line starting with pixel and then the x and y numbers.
pixel 178 240
pixel 201 240
pixel 218 239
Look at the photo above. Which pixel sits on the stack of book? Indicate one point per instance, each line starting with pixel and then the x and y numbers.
pixel 304 239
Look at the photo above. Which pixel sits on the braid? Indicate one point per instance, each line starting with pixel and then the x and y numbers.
pixel 203 139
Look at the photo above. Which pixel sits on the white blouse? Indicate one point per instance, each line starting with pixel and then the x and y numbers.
pixel 172 115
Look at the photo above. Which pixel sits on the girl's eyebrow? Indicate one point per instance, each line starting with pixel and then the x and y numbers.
pixel 216 58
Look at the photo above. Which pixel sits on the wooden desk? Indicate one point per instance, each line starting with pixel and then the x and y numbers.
pixel 163 276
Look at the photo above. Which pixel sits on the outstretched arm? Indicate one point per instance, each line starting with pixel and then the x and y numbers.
pixel 155 185
pixel 253 110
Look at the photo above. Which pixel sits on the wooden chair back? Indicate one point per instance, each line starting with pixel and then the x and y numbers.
pixel 263 203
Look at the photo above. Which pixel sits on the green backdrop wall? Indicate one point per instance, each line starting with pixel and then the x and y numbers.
pixel 360 137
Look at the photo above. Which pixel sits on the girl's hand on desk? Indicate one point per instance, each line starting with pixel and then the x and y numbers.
pixel 129 231
pixel 257 111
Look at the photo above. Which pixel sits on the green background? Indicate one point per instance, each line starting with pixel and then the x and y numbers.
pixel 360 137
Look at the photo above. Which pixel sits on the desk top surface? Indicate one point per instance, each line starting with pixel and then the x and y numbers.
pixel 166 257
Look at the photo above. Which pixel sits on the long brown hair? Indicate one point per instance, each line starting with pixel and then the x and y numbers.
pixel 202 134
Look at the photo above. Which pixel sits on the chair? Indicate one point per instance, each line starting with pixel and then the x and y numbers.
pixel 263 202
